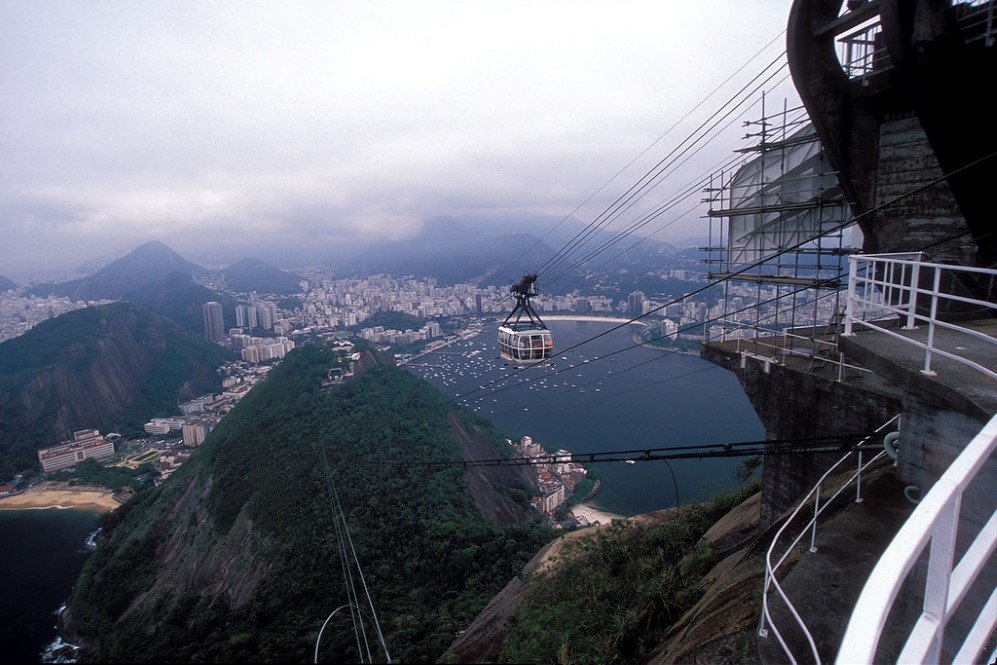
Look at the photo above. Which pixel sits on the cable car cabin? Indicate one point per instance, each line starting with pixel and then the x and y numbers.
pixel 528 344
pixel 524 340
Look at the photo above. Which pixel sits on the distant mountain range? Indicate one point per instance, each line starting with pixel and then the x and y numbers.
pixel 109 367
pixel 498 251
pixel 147 263
pixel 454 259
pixel 6 284
pixel 156 275
pixel 252 274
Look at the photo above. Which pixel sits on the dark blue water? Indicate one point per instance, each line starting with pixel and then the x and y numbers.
pixel 41 555
pixel 673 400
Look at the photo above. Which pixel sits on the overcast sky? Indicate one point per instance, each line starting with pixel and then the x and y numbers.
pixel 224 129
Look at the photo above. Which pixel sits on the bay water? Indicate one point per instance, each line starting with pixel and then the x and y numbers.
pixel 41 555
pixel 594 399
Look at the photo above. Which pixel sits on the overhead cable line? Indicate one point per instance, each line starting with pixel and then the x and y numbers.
pixel 685 155
pixel 740 271
pixel 654 214
pixel 651 145
pixel 363 581
pixel 698 324
pixel 353 597
pixel 827 443
pixel 651 175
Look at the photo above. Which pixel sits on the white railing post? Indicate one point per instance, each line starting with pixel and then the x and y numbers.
pixel 936 590
pixel 813 533
pixel 762 630
pixel 850 302
pixel 933 524
pixel 858 480
pixel 912 306
pixel 766 624
pixel 936 283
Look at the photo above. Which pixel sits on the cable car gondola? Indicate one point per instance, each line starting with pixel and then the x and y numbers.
pixel 525 341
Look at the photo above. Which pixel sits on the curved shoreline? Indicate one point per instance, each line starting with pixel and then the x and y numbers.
pixel 597 319
pixel 61 499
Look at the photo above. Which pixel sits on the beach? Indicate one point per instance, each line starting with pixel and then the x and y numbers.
pixel 48 497
pixel 593 514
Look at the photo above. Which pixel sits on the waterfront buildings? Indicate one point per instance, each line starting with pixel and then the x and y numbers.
pixel 556 479
pixel 85 444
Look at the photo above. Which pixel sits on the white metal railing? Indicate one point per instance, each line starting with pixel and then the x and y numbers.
pixel 811 348
pixel 765 621
pixel 889 284
pixel 935 520
pixel 863 51
pixel 977 21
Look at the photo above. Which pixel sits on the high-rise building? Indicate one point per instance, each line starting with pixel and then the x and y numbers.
pixel 214 322
pixel 265 314
pixel 194 433
pixel 240 316
pixel 635 302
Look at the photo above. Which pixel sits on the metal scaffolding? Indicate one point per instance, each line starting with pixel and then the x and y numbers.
pixel 781 208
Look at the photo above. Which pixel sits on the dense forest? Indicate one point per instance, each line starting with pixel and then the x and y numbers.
pixel 234 559
pixel 110 367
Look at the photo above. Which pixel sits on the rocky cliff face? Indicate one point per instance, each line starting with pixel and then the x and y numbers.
pixel 109 367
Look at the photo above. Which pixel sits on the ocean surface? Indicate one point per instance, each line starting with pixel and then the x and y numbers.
pixel 41 555
pixel 591 402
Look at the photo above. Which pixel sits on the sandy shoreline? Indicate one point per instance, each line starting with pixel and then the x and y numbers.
pixel 593 514
pixel 39 499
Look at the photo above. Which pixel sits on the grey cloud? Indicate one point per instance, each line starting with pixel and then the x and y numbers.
pixel 228 128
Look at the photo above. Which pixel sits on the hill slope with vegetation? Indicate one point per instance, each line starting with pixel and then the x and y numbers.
pixel 615 593
pixel 234 557
pixel 252 274
pixel 109 367
pixel 180 298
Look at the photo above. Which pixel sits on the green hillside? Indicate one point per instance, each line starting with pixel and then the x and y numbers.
pixel 252 274
pixel 110 367
pixel 180 298
pixel 234 557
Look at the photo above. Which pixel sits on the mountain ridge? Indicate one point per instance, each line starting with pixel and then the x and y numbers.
pixel 253 274
pixel 178 297
pixel 149 262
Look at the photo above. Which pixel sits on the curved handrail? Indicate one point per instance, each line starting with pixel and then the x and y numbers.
pixel 934 521
pixel 770 570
